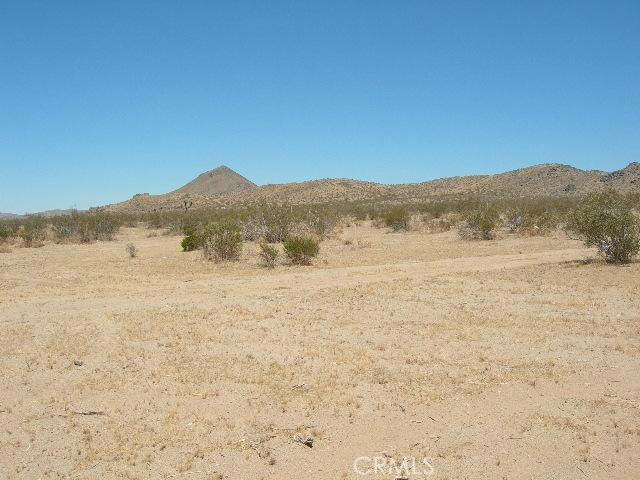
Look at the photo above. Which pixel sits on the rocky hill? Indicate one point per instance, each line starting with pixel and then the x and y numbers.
pixel 223 187
pixel 216 181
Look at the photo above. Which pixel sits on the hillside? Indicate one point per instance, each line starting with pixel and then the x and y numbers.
pixel 223 187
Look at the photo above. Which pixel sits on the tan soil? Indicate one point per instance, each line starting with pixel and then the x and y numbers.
pixel 505 359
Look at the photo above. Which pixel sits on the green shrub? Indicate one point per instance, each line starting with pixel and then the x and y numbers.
pixel 268 255
pixel 605 221
pixel 156 220
pixel 530 220
pixel 6 232
pixel 397 219
pixel 321 223
pixel 85 227
pixel 300 250
pixel 63 228
pixel 222 241
pixel 33 231
pixel 192 242
pixel 189 225
pixel 277 222
pixel 479 223
pixel 438 225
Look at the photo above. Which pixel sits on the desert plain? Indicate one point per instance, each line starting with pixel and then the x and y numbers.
pixel 517 358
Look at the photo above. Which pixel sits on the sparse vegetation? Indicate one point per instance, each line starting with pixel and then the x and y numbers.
pixel 530 220
pixel 268 255
pixel 32 231
pixel 6 232
pixel 84 228
pixel 606 221
pixel 222 241
pixel 397 219
pixel 437 225
pixel 192 242
pixel 301 250
pixel 277 224
pixel 479 223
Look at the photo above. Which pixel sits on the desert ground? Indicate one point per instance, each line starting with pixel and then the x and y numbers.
pixel 517 358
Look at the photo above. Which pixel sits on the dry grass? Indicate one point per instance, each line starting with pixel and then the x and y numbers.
pixel 512 358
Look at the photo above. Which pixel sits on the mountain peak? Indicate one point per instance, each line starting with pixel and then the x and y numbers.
pixel 218 180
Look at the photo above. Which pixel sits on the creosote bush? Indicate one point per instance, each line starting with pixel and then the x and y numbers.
pixel 32 231
pixel 6 232
pixel 268 255
pixel 84 228
pixel 479 223
pixel 301 250
pixel 222 241
pixel 530 220
pixel 278 224
pixel 397 219
pixel 605 220
pixel 192 242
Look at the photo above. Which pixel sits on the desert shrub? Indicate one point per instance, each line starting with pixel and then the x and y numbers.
pixel 6 232
pixel 33 231
pixel 254 227
pixel 278 223
pixel 479 223
pixel 361 212
pixel 268 255
pixel 222 241
pixel 92 227
pixel 437 225
pixel 604 220
pixel 86 227
pixel 105 227
pixel 155 220
pixel 192 242
pixel 63 228
pixel 322 223
pixel 396 218
pixel 301 250
pixel 132 250
pixel 530 220
pixel 189 224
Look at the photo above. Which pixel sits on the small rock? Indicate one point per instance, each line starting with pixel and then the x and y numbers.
pixel 308 440
pixel 78 363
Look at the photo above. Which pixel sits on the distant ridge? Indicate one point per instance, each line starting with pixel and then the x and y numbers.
pixel 47 213
pixel 219 180
pixel 222 187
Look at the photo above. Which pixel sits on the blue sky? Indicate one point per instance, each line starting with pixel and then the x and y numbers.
pixel 100 100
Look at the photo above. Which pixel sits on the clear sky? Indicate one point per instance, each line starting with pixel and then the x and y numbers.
pixel 101 100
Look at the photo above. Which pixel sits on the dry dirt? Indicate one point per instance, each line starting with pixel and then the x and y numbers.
pixel 508 359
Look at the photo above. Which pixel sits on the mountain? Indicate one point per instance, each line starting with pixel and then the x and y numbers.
pixel 218 180
pixel 47 213
pixel 549 179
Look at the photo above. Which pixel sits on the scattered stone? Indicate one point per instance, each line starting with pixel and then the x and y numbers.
pixel 307 441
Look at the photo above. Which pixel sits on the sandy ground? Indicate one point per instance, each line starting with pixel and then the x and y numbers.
pixel 508 359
